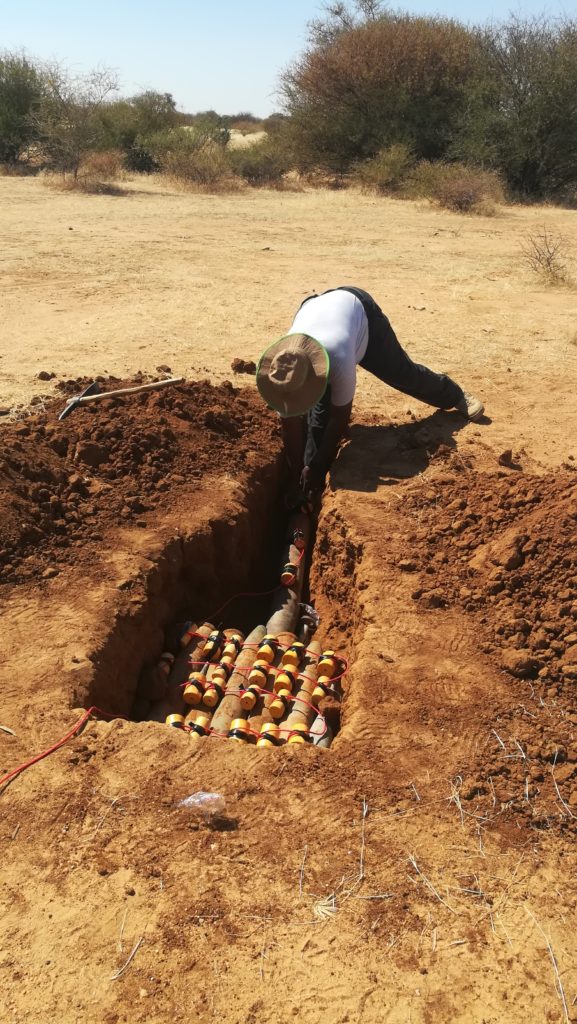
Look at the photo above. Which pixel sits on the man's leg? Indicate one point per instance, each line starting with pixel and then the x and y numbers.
pixel 387 360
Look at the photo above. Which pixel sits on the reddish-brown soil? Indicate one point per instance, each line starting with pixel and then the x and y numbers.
pixel 63 483
pixel 432 815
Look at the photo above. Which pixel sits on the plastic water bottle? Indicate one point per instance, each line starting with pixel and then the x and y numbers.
pixel 207 804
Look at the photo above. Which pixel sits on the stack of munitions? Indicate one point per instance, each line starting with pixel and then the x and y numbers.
pixel 261 689
pixel 264 688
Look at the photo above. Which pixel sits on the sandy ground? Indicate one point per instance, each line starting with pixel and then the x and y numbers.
pixel 421 870
pixel 96 284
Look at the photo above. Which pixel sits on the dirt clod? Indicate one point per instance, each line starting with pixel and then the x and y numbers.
pixel 243 366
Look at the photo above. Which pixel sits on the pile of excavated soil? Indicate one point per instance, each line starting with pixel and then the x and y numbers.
pixel 64 484
pixel 500 550
pixel 505 548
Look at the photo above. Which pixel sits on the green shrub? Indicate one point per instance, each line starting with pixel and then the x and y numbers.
pixel 140 160
pixel 192 156
pixel 520 117
pixel 456 187
pixel 262 164
pixel 207 167
pixel 21 88
pixel 386 171
pixel 393 78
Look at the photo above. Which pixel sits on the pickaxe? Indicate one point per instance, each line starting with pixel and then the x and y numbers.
pixel 93 393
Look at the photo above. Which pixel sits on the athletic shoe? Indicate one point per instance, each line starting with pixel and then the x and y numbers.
pixel 470 406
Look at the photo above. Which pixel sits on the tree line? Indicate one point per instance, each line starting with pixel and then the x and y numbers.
pixel 501 97
pixel 373 88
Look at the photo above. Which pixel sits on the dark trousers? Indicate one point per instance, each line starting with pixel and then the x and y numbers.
pixel 388 361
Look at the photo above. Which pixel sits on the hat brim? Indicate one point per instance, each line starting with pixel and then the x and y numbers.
pixel 298 402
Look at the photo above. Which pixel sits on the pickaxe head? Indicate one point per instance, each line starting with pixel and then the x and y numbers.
pixel 92 389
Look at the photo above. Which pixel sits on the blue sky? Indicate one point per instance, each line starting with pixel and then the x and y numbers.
pixel 225 54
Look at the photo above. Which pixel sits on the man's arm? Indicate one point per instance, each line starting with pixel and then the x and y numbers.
pixel 335 430
pixel 294 440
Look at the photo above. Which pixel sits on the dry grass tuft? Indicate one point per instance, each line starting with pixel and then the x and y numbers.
pixel 98 175
pixel 86 185
pixel 546 254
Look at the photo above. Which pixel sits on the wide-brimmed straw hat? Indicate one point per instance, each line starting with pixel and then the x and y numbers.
pixel 292 374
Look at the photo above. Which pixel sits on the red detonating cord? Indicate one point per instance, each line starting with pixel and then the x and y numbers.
pixel 56 746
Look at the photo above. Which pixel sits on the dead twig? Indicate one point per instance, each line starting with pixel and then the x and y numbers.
pixel 377 896
pixel 558 983
pixel 129 961
pixel 499 740
pixel 120 949
pixel 429 884
pixel 560 798
pixel 455 798
pixel 302 871
pixel 365 811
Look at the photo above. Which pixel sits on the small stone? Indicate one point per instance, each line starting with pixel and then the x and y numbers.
pixel 163 368
pixel 129 890
pixel 433 599
pixel 50 573
pixel 520 663
pixel 565 772
pixel 506 457
pixel 45 375
pixel 243 366
pixel 407 565
pixel 91 453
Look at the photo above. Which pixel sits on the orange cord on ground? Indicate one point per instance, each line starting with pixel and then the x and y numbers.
pixel 56 746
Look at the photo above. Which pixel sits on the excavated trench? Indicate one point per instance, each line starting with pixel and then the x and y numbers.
pixel 226 573
pixel 145 516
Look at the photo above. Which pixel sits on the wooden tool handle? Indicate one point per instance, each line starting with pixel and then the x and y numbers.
pixel 132 391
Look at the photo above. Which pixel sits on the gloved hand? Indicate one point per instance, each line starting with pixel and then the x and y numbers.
pixel 311 485
pixel 296 500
